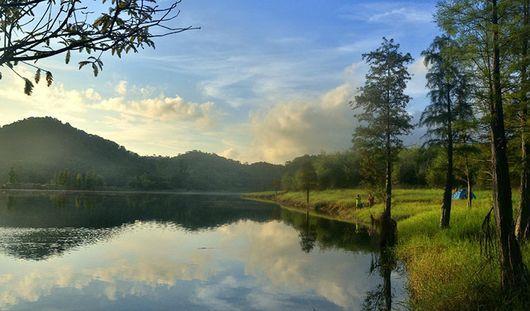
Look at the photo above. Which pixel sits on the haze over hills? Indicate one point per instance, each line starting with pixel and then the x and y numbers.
pixel 45 151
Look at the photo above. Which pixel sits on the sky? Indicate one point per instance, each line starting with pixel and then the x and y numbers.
pixel 260 81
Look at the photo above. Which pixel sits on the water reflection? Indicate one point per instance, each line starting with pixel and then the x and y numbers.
pixel 49 225
pixel 382 296
pixel 308 236
pixel 177 252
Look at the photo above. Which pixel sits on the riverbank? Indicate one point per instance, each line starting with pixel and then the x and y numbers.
pixel 445 267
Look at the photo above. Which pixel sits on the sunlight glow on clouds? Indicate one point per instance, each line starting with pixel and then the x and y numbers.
pixel 257 82
pixel 289 129
pixel 162 109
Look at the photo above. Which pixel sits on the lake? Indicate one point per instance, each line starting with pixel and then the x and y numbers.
pixel 184 252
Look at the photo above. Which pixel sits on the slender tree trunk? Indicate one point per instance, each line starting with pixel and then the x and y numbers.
pixel 511 264
pixel 388 180
pixel 388 225
pixel 307 198
pixel 522 228
pixel 469 184
pixel 469 193
pixel 446 205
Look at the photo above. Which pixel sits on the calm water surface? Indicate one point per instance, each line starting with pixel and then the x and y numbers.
pixel 183 252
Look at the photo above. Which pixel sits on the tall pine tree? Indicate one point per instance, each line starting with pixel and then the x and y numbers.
pixel 383 118
pixel 447 82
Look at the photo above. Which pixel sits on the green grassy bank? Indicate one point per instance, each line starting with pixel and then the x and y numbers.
pixel 445 267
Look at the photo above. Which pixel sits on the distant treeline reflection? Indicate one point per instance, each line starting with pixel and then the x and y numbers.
pixel 42 225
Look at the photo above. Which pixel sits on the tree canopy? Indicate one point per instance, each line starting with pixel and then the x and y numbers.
pixel 33 30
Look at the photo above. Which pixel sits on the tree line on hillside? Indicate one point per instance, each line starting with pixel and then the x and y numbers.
pixel 43 149
pixel 190 171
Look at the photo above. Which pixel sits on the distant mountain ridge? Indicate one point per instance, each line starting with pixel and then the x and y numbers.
pixel 48 152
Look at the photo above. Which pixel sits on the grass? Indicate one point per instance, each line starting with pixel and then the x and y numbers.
pixel 445 267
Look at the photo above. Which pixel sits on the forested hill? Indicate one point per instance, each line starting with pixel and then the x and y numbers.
pixel 45 151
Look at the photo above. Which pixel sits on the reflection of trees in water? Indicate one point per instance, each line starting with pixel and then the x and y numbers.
pixel 59 222
pixel 308 236
pixel 43 243
pixel 192 212
pixel 48 225
pixel 381 298
pixel 327 233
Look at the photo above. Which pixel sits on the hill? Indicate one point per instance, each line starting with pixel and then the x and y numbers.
pixel 45 151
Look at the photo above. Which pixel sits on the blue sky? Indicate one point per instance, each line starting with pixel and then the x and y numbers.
pixel 261 80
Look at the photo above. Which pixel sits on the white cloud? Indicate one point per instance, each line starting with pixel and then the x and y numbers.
pixel 360 46
pixel 402 14
pixel 163 109
pixel 121 88
pixel 390 12
pixel 91 94
pixel 64 103
pixel 289 129
pixel 230 153
pixel 416 86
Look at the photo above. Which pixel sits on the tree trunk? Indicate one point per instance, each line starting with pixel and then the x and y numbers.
pixel 469 194
pixel 388 225
pixel 522 228
pixel 307 198
pixel 511 263
pixel 469 185
pixel 388 180
pixel 446 205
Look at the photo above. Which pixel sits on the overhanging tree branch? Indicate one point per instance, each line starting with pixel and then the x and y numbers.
pixel 38 29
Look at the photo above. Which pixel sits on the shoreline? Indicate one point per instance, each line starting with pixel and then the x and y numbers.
pixel 312 212
pixel 304 211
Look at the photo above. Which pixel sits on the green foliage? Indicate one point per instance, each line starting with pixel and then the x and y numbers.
pixel 382 102
pixel 115 27
pixel 77 181
pixel 413 166
pixel 436 174
pixel 383 118
pixel 449 93
pixel 337 170
pixel 12 176
pixel 306 177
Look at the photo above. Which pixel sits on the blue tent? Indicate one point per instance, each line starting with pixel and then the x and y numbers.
pixel 462 194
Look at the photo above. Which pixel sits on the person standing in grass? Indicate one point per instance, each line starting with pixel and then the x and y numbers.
pixel 358 202
pixel 371 200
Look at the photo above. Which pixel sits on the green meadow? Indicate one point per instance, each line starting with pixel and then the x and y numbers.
pixel 446 268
